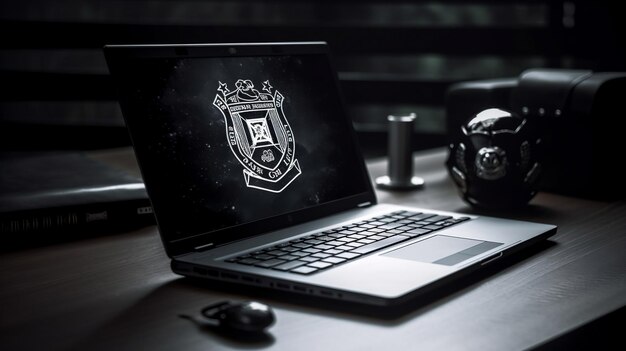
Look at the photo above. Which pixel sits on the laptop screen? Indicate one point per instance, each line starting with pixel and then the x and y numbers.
pixel 228 141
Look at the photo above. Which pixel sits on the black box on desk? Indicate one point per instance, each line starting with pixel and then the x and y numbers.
pixel 581 119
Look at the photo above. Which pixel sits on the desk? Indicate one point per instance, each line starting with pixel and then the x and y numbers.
pixel 117 292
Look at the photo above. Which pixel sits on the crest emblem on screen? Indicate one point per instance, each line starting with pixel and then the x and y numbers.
pixel 259 134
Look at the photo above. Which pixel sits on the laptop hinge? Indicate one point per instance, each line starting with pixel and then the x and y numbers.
pixel 363 204
pixel 202 247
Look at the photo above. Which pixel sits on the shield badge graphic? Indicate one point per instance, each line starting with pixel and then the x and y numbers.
pixel 259 135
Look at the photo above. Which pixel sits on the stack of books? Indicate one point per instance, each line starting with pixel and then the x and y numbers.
pixel 52 196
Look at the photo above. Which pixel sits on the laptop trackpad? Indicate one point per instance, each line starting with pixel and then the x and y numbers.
pixel 442 249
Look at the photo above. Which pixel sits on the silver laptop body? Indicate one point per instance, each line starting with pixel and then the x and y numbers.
pixel 255 178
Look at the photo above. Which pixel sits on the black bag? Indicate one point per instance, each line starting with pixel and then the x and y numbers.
pixel 581 120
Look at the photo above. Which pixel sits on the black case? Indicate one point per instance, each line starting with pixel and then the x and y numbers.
pixel 581 118
pixel 54 196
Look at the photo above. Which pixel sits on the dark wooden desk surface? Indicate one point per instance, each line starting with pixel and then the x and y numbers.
pixel 117 292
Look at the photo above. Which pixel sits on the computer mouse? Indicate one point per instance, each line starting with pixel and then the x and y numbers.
pixel 246 316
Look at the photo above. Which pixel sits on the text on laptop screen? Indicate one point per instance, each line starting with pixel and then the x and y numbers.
pixel 232 140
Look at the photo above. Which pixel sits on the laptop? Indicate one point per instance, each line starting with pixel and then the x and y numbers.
pixel 255 177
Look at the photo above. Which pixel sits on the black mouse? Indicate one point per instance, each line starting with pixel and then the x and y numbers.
pixel 246 316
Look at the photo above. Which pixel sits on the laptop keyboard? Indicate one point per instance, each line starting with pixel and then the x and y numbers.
pixel 328 248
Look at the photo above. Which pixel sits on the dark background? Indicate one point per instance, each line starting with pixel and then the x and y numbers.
pixel 393 56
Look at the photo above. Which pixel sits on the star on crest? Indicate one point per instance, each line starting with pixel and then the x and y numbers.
pixel 267 87
pixel 223 88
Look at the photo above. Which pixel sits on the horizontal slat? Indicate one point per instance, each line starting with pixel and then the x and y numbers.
pixel 356 87
pixel 393 89
pixel 74 61
pixel 421 66
pixel 284 13
pixel 65 112
pixel 55 86
pixel 468 41
pixel 372 117
pixel 440 67
pixel 21 136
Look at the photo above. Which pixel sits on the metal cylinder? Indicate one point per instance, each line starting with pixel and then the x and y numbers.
pixel 400 166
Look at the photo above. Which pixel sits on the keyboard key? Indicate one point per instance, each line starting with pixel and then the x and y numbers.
pixel 436 219
pixel 301 245
pixel 313 241
pixel 334 251
pixel 300 254
pixel 390 226
pixel 348 255
pixel 311 250
pixel 248 261
pixel 421 217
pixel 320 255
pixel 304 270
pixel 309 259
pixel 353 245
pixel 416 232
pixel 404 221
pixel 344 247
pixel 451 221
pixel 334 260
pixel 287 257
pixel 320 264
pixel 445 223
pixel 357 236
pixel 269 263
pixel 432 227
pixel 380 244
pixel 289 265
pixel 398 212
pixel 323 247
pixel 326 238
pixel 262 257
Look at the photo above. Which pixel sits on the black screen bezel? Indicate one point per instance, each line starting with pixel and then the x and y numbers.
pixel 118 55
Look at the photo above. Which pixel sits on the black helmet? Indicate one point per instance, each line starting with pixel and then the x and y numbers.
pixel 496 161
